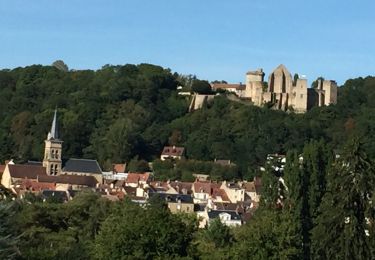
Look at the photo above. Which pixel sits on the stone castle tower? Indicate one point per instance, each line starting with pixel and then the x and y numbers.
pixel 284 93
pixel 53 149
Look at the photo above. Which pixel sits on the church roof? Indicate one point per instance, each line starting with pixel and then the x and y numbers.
pixel 89 181
pixel 82 165
pixel 23 171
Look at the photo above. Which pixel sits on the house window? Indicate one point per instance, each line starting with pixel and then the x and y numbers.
pixel 55 169
pixel 57 154
pixel 51 169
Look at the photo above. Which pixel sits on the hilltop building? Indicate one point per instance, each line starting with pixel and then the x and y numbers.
pixel 282 91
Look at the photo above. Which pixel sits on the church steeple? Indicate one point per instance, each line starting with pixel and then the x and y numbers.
pixel 52 150
pixel 54 134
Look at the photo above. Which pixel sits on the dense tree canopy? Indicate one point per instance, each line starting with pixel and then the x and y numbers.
pixel 321 206
pixel 134 110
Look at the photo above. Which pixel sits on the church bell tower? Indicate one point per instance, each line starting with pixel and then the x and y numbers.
pixel 52 150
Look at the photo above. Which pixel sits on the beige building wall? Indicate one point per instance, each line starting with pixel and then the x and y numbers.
pixel 280 80
pixel 234 194
pixel 299 96
pixel 254 86
pixel 330 92
pixel 181 207
pixel 52 157
pixel 6 180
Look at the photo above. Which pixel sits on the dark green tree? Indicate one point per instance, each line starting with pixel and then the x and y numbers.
pixel 201 87
pixel 343 226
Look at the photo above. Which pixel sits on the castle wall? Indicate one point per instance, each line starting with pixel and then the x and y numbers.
pixel 300 96
pixel 330 92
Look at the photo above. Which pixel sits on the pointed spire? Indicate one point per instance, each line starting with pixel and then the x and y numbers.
pixel 53 134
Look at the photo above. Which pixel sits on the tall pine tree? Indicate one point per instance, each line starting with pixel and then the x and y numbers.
pixel 342 228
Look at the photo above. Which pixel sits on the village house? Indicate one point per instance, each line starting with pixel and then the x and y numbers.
pixel 172 152
pixel 234 192
pixel 252 189
pixel 237 89
pixel 226 217
pixel 177 203
pixel 202 191
pixel 137 179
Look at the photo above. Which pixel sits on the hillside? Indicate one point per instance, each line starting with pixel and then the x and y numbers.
pixel 119 112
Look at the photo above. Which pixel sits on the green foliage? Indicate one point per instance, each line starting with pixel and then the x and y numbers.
pixel 184 170
pixel 143 233
pixel 343 228
pixel 54 231
pixel 8 242
pixel 136 165
pixel 201 87
pixel 105 114
pixel 271 234
pixel 214 242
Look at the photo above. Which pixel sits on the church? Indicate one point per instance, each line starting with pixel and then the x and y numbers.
pixel 74 174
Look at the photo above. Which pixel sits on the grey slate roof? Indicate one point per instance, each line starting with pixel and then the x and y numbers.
pixel 215 214
pixel 173 197
pixel 82 165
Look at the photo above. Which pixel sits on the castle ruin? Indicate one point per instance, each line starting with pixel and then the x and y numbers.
pixel 282 91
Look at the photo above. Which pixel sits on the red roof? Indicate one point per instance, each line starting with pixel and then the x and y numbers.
pixel 205 187
pixel 220 193
pixel 23 171
pixel 182 187
pixel 119 167
pixel 173 151
pixel 37 186
pixel 137 177
pixel 89 181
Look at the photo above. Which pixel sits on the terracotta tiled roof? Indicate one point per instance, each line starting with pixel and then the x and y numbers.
pixel 120 167
pixel 2 168
pixel 220 193
pixel 182 187
pixel 173 151
pixel 249 186
pixel 130 191
pixel 37 186
pixel 205 187
pixel 88 181
pixel 22 171
pixel 136 177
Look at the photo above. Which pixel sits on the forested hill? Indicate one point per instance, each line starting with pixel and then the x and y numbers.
pixel 120 112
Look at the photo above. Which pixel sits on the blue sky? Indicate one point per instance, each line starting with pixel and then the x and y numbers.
pixel 213 39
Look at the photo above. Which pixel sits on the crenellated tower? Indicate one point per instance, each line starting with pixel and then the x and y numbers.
pixel 53 149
